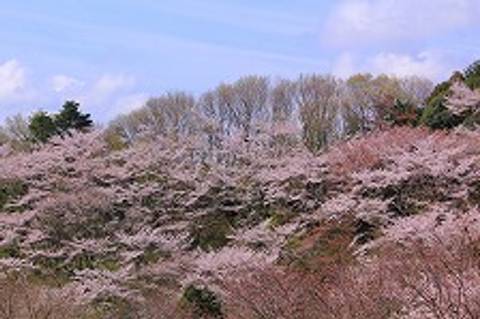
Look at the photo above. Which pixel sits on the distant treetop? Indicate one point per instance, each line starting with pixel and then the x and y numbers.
pixel 70 118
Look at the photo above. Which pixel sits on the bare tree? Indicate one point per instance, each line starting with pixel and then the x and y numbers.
pixel 251 95
pixel 16 133
pixel 359 103
pixel 283 97
pixel 416 89
pixel 172 113
pixel 213 118
pixel 130 126
pixel 317 101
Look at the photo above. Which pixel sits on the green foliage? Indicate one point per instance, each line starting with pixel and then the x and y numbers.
pixel 49 271
pixel 472 75
pixel 4 138
pixel 403 113
pixel 114 140
pixel 210 233
pixel 10 251
pixel 204 302
pixel 11 189
pixel 151 255
pixel 472 120
pixel 42 127
pixel 280 217
pixel 439 92
pixel 111 306
pixel 58 270
pixel 70 118
pixel 437 116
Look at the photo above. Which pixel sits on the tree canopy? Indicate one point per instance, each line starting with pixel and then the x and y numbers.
pixel 42 127
pixel 70 118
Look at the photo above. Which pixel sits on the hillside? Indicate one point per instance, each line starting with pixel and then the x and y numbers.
pixel 119 231
pixel 384 223
pixel 235 159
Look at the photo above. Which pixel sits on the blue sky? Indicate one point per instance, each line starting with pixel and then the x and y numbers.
pixel 112 55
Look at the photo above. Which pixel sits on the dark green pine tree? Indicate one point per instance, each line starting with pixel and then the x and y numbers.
pixel 42 127
pixel 472 75
pixel 70 118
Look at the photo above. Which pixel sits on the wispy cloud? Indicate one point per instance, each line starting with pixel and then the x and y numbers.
pixel 425 64
pixel 128 103
pixel 429 64
pixel 108 84
pixel 61 83
pixel 357 22
pixel 242 15
pixel 12 78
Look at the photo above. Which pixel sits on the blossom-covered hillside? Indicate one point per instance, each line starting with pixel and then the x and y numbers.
pixel 188 209
pixel 385 225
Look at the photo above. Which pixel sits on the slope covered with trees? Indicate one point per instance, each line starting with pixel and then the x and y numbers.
pixel 313 198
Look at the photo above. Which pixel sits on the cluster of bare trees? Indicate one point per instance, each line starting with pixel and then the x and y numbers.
pixel 322 107
pixel 20 299
pixel 16 132
pixel 438 282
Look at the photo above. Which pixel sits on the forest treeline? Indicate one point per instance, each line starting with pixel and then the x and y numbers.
pixel 315 110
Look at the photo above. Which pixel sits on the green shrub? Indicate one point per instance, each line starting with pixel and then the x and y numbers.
pixel 439 92
pixel 280 217
pixel 151 255
pixel 203 301
pixel 10 251
pixel 111 306
pixel 211 233
pixel 81 215
pixel 59 270
pixel 11 189
pixel 472 75
pixel 403 113
pixel 437 116
pixel 114 141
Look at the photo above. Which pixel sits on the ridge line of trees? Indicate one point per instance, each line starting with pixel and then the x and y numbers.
pixel 315 110
pixel 23 133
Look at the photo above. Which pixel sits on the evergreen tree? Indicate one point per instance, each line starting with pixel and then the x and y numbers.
pixel 403 112
pixel 436 115
pixel 472 75
pixel 42 127
pixel 70 118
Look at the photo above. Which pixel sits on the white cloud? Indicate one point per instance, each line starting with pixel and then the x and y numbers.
pixel 12 78
pixel 61 83
pixel 109 84
pixel 427 64
pixel 130 103
pixel 354 22
pixel 109 95
pixel 344 66
pixel 424 64
pixel 105 96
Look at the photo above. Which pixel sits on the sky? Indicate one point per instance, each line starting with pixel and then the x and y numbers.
pixel 112 55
